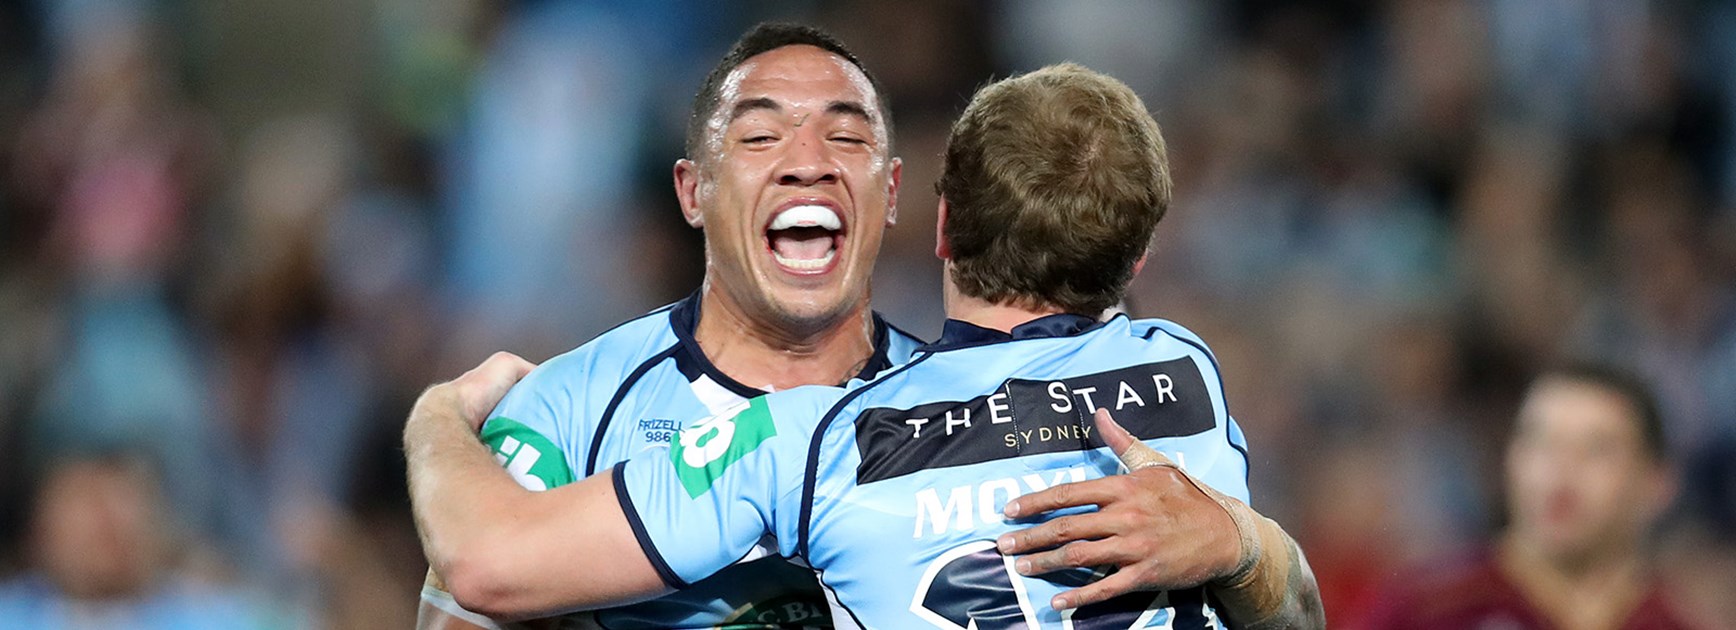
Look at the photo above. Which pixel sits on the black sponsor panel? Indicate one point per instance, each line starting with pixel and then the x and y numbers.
pixel 1027 417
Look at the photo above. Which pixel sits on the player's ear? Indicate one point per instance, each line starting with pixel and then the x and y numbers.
pixel 892 192
pixel 1139 265
pixel 942 249
pixel 687 191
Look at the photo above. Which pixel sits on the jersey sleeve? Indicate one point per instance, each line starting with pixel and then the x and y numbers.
pixel 1227 471
pixel 530 428
pixel 723 486
pixel 1225 464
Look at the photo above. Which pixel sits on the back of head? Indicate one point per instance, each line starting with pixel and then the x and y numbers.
pixel 1054 181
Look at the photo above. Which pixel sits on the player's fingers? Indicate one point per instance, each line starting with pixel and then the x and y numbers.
pixel 1133 453
pixel 1073 555
pixel 482 388
pixel 505 367
pixel 1066 495
pixel 1059 531
pixel 1111 586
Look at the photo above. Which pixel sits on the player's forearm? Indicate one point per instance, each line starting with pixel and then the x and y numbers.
pixel 507 552
pixel 1272 587
pixel 453 483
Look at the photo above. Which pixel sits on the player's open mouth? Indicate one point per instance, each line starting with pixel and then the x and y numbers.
pixel 805 239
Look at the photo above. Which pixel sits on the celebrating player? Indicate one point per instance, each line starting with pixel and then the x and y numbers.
pixel 793 216
pixel 904 492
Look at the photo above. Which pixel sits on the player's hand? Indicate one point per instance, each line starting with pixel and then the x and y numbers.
pixel 479 391
pixel 1156 525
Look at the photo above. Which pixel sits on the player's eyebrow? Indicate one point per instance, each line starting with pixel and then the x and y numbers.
pixel 742 108
pixel 850 108
pixel 843 108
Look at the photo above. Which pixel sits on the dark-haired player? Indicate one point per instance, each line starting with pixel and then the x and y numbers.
pixel 793 217
pixel 1587 477
pixel 896 490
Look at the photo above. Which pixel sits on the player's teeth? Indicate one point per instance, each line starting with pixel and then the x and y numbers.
pixel 806 216
pixel 805 263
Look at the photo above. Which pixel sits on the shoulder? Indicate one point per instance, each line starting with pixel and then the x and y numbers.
pixel 1161 330
pixel 608 358
pixel 803 406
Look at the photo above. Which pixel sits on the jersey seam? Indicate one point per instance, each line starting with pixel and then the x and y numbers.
pixel 820 576
pixel 809 473
pixel 1223 392
pixel 664 572
pixel 615 403
pixel 944 347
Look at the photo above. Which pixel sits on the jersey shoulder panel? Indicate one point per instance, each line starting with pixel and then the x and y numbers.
pixel 1150 326
pixel 542 429
pixel 724 484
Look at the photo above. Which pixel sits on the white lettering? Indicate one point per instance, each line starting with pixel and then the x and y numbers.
pixel 705 442
pixel 957 509
pixel 1085 393
pixel 995 410
pixel 1127 395
pixel 989 508
pixel 916 423
pixel 951 422
pixel 1164 386
pixel 1063 403
pixel 958 514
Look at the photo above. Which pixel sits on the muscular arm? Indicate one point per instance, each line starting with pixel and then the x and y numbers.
pixel 1164 530
pixel 505 551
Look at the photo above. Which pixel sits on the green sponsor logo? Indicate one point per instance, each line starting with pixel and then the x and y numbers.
pixel 706 449
pixel 531 458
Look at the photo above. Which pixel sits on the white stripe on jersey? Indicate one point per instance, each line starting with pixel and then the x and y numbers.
pixel 716 398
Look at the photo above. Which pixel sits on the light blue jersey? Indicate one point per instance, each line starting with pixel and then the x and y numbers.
pixel 630 391
pixel 892 489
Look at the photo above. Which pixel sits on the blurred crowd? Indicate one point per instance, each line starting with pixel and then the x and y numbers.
pixel 237 238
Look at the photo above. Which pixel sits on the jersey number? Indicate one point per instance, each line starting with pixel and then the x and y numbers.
pixel 974 587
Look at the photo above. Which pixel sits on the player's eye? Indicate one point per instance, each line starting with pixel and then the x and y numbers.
pixel 850 140
pixel 759 138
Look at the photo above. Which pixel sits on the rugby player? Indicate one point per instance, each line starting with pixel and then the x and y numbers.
pixel 793 216
pixel 1588 476
pixel 894 490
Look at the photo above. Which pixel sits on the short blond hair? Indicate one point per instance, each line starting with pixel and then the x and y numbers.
pixel 1054 182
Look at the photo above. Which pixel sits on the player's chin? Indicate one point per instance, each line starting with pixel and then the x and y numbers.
pixel 813 303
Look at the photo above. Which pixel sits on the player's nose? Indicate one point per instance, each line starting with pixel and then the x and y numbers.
pixel 807 164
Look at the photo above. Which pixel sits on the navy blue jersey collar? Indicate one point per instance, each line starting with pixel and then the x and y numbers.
pixel 691 360
pixel 962 334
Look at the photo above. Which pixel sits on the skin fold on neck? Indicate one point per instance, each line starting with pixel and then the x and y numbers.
pixel 774 356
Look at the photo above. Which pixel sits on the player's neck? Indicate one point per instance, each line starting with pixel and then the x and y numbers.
pixel 770 355
pixel 1598 591
pixel 1002 317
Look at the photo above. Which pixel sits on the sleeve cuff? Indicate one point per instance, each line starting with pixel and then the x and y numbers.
pixel 668 574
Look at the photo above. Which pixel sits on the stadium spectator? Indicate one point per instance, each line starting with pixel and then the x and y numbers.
pixel 1587 478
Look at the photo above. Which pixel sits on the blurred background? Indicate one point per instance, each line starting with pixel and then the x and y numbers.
pixel 237 237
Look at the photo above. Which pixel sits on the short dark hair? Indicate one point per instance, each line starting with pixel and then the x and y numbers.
pixel 764 38
pixel 1054 182
pixel 1626 384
